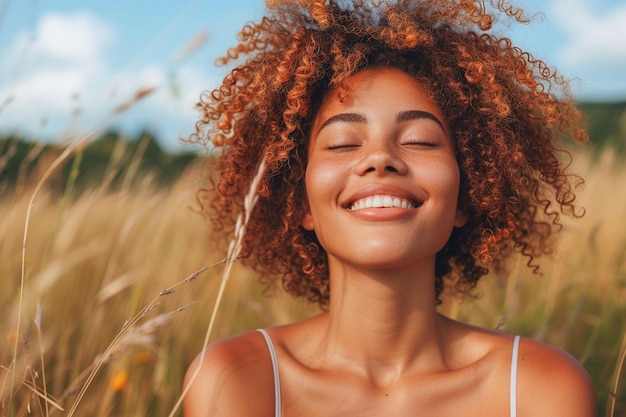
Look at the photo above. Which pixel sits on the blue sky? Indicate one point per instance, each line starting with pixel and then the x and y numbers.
pixel 66 64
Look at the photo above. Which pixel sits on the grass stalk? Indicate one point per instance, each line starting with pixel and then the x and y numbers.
pixel 618 372
pixel 234 250
pixel 38 320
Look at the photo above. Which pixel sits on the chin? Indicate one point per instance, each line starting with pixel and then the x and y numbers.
pixel 386 259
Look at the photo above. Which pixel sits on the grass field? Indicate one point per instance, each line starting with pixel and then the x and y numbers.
pixel 98 315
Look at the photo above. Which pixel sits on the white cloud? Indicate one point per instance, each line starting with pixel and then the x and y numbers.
pixel 61 75
pixel 78 39
pixel 595 41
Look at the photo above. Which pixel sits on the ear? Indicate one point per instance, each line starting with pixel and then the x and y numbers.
pixel 461 218
pixel 307 222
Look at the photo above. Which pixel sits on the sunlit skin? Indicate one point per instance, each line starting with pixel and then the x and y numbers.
pixel 398 150
pixel 382 349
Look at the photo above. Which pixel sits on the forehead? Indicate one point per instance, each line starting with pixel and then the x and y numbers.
pixel 376 91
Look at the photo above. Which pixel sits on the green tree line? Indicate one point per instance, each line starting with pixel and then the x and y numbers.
pixel 113 157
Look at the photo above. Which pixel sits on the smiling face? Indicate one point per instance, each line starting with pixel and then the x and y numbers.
pixel 382 178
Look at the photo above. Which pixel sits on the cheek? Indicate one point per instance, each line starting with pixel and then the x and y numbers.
pixel 321 179
pixel 443 175
pixel 445 181
pixel 322 182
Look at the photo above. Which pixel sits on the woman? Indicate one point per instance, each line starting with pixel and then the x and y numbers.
pixel 408 149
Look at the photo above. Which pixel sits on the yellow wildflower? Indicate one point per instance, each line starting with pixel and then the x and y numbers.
pixel 118 381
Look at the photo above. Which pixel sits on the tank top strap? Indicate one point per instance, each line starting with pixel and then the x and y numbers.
pixel 270 346
pixel 513 382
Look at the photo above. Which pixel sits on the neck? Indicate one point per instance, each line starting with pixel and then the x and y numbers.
pixel 383 319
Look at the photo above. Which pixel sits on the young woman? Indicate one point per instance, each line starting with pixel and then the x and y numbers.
pixel 408 149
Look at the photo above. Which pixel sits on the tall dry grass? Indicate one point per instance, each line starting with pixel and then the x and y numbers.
pixel 92 264
pixel 110 265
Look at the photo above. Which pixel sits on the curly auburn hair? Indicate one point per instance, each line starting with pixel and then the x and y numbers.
pixel 506 111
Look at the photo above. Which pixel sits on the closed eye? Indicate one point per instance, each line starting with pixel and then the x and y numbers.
pixel 339 147
pixel 424 143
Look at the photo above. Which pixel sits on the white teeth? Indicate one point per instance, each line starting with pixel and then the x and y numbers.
pixel 380 201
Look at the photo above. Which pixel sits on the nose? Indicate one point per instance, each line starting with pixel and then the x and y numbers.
pixel 381 159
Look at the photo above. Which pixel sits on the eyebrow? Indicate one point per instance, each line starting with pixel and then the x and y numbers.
pixel 343 117
pixel 403 116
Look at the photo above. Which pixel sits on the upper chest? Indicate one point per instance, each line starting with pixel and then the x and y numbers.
pixel 476 390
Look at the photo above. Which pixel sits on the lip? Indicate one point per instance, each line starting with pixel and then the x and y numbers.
pixel 389 190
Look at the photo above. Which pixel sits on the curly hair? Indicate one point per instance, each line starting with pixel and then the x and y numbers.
pixel 506 110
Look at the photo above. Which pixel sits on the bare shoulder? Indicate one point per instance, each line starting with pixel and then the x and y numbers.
pixel 551 382
pixel 232 377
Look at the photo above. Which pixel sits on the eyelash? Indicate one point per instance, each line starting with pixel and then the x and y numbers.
pixel 334 147
pixel 421 143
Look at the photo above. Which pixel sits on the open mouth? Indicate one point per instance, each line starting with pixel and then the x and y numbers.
pixel 383 201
